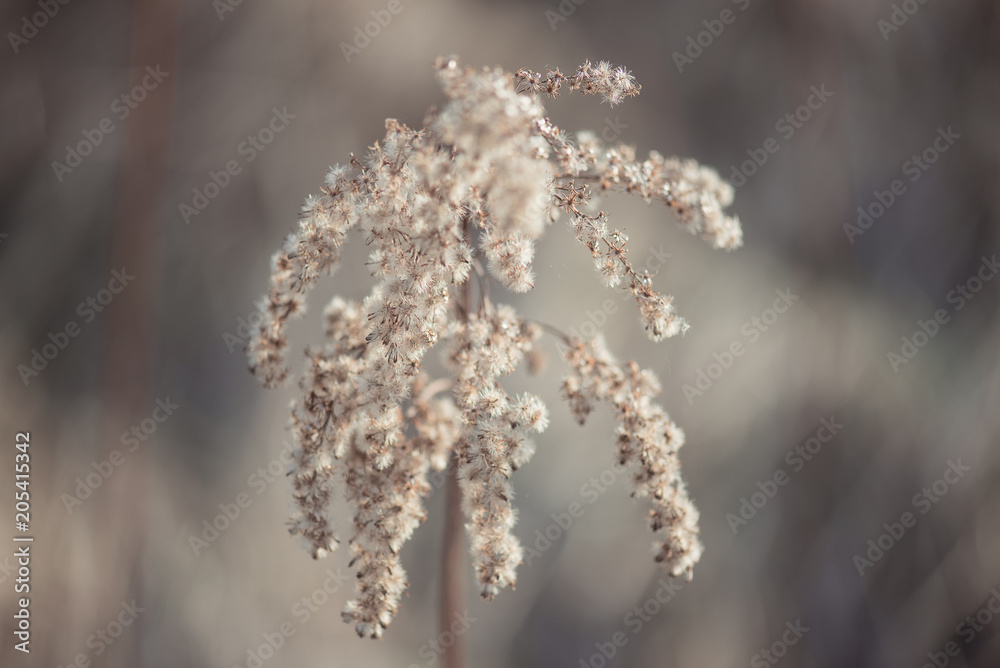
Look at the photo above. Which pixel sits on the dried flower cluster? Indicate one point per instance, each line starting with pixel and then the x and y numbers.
pixel 444 209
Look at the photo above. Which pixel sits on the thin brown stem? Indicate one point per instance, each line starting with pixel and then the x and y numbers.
pixel 554 331
pixel 453 570
pixel 453 550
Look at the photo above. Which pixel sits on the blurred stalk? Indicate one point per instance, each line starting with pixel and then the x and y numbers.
pixel 452 569
pixel 453 557
pixel 130 346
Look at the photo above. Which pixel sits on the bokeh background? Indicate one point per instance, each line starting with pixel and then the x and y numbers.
pixel 172 334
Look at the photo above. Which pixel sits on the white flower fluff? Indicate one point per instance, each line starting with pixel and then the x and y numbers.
pixel 449 214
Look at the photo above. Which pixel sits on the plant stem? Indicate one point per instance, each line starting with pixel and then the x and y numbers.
pixel 452 569
pixel 453 550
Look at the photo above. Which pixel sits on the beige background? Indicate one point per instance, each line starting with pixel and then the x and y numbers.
pixel 164 335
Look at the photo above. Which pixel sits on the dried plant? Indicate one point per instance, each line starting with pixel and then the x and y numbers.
pixel 447 210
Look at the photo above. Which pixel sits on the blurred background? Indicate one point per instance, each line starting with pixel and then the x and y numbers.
pixel 872 394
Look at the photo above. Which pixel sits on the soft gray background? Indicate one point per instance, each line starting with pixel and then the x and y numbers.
pixel 827 356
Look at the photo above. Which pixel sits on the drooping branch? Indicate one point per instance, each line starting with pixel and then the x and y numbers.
pixel 648 442
pixel 607 247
